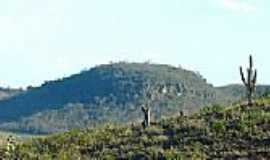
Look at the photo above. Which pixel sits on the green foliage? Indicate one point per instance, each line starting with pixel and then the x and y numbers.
pixel 106 93
pixel 111 93
pixel 214 133
pixel 173 154
pixel 219 126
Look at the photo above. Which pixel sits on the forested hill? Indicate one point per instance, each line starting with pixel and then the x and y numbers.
pixel 112 92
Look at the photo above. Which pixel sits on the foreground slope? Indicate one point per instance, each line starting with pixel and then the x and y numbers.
pixel 234 132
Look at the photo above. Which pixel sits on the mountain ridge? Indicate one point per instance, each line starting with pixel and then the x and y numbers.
pixel 111 92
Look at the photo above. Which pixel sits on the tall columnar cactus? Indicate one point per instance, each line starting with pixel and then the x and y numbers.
pixel 250 81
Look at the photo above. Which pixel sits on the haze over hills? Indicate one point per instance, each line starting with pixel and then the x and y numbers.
pixel 111 93
pixel 6 93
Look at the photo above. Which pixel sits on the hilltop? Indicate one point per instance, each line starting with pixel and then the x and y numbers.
pixel 109 93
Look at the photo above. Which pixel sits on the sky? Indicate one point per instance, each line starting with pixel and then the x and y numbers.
pixel 44 40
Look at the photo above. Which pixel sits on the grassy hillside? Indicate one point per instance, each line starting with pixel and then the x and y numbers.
pixel 111 93
pixel 232 132
pixel 106 93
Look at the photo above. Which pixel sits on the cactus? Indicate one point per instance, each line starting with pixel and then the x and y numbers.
pixel 148 94
pixel 250 81
pixel 147 112
pixel 151 93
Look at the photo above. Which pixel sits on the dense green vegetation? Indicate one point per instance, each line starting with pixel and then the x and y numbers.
pixel 111 93
pixel 216 132
pixel 105 93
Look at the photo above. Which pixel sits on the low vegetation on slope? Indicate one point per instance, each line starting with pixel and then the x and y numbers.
pixel 215 132
pixel 112 92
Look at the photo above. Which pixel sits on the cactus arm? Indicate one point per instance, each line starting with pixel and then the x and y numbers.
pixel 250 62
pixel 242 76
pixel 143 109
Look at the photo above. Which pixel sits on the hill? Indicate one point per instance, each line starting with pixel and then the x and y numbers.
pixel 6 93
pixel 109 93
pixel 232 132
pixel 237 91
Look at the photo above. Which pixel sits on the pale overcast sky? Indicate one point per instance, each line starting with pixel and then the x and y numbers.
pixel 48 39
